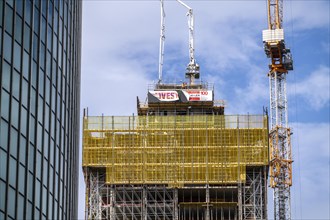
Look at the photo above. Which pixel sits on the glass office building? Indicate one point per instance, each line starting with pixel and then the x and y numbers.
pixel 40 45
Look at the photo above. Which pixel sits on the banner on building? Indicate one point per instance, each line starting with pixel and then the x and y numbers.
pixel 198 95
pixel 155 96
pixel 165 96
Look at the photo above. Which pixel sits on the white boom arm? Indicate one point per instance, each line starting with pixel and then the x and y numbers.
pixel 191 32
pixel 162 41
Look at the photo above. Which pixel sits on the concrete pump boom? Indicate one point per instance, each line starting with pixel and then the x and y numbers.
pixel 162 41
pixel 192 68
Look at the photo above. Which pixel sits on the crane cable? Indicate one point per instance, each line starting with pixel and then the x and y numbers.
pixel 296 118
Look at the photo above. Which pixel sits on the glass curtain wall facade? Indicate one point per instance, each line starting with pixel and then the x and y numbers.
pixel 40 45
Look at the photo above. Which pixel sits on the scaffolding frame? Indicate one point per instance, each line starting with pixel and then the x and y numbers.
pixel 176 167
pixel 254 193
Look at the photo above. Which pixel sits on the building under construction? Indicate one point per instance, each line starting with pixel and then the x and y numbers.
pixel 180 157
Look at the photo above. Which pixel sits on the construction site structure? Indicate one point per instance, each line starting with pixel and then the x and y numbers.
pixel 179 158
pixel 280 134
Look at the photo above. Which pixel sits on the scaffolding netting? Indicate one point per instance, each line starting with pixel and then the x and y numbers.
pixel 175 150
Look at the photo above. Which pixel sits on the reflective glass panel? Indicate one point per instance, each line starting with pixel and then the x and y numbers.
pixel 6 72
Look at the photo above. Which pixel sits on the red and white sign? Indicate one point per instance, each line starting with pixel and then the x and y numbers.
pixel 167 96
pixel 198 95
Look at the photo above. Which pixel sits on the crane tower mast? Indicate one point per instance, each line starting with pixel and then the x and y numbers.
pixel 279 138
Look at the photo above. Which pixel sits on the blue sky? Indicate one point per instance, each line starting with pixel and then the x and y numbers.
pixel 120 58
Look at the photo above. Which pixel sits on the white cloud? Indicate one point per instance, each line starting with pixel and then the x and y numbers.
pixel 306 15
pixel 120 57
pixel 314 89
pixel 310 147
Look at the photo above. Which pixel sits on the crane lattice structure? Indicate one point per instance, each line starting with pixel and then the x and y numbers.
pixel 279 137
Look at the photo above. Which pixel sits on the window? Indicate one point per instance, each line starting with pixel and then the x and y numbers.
pixel 7 44
pixel 36 21
pixel 30 187
pixel 9 20
pixel 54 71
pixel 44 199
pixel 6 76
pixel 34 74
pixel 17 56
pixel 40 109
pixel 39 137
pixel 48 64
pixel 50 207
pixel 29 210
pixel 5 101
pixel 51 151
pixel 27 32
pixel 19 7
pixel 37 193
pixel 46 124
pixel 50 11
pixel 44 8
pixel 12 171
pixel 57 152
pixel 2 192
pixel 28 9
pixel 55 21
pixel 32 129
pixel 0 38
pixel 14 112
pixel 43 30
pixel 49 37
pixel 33 101
pixel 20 206
pixel 11 202
pixel 46 148
pixel 25 92
pixel 18 28
pixel 38 166
pixel 41 82
pixel 60 54
pixel 35 47
pixel 53 98
pixel 23 121
pixel 55 47
pixel 21 179
pixel 47 91
pixel 13 142
pixel 3 163
pixel 16 84
pixel 31 158
pixel 22 149
pixel 42 56
pixel 1 13
pixel 26 66
pixel 37 4
pixel 53 119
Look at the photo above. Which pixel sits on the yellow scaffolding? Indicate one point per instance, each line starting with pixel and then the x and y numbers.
pixel 175 150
